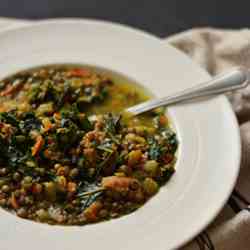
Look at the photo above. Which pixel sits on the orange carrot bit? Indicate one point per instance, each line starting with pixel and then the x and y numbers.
pixel 79 72
pixel 7 91
pixel 13 201
pixel 10 89
pixel 71 187
pixel 37 188
pixel 47 153
pixel 91 213
pixel 57 116
pixel 2 107
pixel 38 145
pixel 88 81
pixel 163 120
pixel 117 183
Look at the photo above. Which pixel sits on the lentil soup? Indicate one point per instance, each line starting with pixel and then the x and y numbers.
pixel 69 156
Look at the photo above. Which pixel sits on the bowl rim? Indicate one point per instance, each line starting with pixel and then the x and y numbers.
pixel 222 99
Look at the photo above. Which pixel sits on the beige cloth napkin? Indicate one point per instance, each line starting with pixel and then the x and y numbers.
pixel 218 50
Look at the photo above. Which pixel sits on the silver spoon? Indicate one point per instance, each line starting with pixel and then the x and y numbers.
pixel 235 79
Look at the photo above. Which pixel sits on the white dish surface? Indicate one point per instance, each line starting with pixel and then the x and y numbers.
pixel 209 151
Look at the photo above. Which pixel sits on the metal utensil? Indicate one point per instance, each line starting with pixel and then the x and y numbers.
pixel 235 79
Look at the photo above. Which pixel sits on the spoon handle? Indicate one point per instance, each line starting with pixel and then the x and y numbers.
pixel 236 78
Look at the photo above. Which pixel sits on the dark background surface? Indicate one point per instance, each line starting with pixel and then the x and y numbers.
pixel 161 17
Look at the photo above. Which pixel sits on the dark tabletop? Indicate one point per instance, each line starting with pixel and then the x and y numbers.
pixel 161 17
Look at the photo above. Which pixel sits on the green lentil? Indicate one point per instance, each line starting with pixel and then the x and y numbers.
pixel 151 167
pixel 5 188
pixel 150 186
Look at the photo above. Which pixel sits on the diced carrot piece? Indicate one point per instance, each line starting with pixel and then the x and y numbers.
pixel 10 89
pixel 71 187
pixel 91 213
pixel 79 72
pixel 57 116
pixel 13 201
pixel 7 91
pixel 90 154
pixel 116 183
pixel 88 81
pixel 47 153
pixel 163 120
pixel 37 188
pixel 38 145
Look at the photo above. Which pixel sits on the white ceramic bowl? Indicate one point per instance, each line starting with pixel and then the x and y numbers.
pixel 209 152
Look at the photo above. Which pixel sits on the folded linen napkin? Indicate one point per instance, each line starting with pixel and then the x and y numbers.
pixel 217 50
